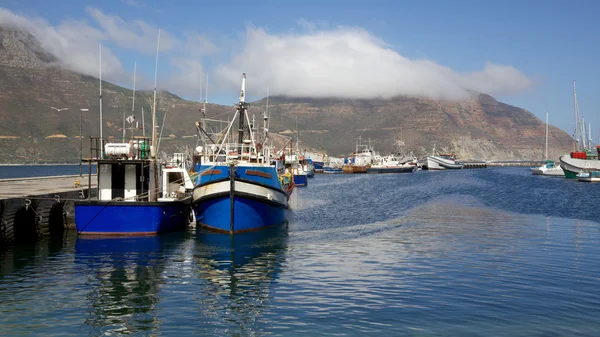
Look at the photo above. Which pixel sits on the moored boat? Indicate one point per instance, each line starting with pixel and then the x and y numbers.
pixel 390 164
pixel 581 161
pixel 134 196
pixel 590 177
pixel 238 187
pixel 549 168
pixel 442 162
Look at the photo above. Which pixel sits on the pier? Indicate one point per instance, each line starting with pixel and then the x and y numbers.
pixel 39 206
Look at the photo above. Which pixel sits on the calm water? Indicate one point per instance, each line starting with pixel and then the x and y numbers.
pixel 22 171
pixel 492 252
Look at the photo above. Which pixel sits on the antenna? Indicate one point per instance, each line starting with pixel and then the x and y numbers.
pixel 154 99
pixel 102 150
pixel 242 110
pixel 546 152
pixel 133 99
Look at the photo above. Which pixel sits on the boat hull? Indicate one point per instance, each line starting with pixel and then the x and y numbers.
pixel 437 163
pixel 354 169
pixel 241 205
pixel 301 180
pixel 94 217
pixel 589 179
pixel 573 166
pixel 330 170
pixel 392 169
pixel 318 166
pixel 551 172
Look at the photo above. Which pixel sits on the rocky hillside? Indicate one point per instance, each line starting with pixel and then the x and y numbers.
pixel 31 131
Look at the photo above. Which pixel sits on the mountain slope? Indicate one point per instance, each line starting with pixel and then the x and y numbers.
pixel 31 131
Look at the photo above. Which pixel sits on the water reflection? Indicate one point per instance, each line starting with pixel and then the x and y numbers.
pixel 240 271
pixel 24 259
pixel 124 279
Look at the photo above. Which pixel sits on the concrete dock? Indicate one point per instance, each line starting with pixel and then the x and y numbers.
pixel 66 186
pixel 39 206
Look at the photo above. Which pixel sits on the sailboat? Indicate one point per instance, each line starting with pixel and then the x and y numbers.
pixel 238 188
pixel 549 168
pixel 134 195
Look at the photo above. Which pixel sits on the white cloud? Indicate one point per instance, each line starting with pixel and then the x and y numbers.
pixel 135 34
pixel 318 62
pixel 351 63
pixel 75 43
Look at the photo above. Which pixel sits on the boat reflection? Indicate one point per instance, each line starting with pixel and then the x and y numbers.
pixel 240 271
pixel 234 262
pixel 124 277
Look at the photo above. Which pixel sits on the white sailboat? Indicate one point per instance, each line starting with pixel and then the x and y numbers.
pixel 549 168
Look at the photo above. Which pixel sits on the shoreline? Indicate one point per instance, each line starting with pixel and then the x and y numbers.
pixel 45 164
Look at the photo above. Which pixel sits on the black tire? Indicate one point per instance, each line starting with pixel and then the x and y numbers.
pixel 52 218
pixel 7 222
pixel 25 225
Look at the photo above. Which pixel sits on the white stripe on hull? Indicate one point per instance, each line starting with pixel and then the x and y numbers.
pixel 242 187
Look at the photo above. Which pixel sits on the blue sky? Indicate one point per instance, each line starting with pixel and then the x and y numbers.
pixel 534 49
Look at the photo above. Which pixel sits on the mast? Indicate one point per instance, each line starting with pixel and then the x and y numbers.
pixel 102 150
pixel 143 123
pixel 241 110
pixel 546 151
pixel 133 100
pixel 576 117
pixel 154 194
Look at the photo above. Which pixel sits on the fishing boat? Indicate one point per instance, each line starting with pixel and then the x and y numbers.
pixel 583 159
pixel 549 168
pixel 318 160
pixel 134 195
pixel 390 164
pixel 361 159
pixel 308 167
pixel 238 188
pixel 442 162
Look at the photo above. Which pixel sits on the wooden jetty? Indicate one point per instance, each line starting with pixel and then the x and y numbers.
pixel 39 206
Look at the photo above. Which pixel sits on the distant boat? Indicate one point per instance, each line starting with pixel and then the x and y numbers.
pixel 549 168
pixel 590 177
pixel 308 167
pixel 390 164
pixel 332 170
pixel 442 162
pixel 239 188
pixel 318 160
pixel 295 167
pixel 361 158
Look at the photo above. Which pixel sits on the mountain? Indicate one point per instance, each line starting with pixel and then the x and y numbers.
pixel 31 131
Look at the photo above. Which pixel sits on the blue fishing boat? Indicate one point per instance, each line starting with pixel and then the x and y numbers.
pixel 129 200
pixel 238 188
pixel 134 195
pixel 332 170
pixel 308 167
